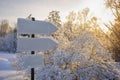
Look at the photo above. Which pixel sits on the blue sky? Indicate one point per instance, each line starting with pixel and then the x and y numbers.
pixel 13 9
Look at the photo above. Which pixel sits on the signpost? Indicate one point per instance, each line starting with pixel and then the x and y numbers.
pixel 33 44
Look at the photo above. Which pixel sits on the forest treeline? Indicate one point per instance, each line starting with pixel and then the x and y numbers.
pixel 76 24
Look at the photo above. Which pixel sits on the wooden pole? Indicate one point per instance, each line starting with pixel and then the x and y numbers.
pixel 32 73
pixel 32 53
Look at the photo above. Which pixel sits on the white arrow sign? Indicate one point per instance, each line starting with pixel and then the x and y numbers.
pixel 26 26
pixel 33 61
pixel 36 44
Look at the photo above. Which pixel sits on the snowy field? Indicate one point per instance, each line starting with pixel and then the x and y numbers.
pixel 7 72
pixel 88 70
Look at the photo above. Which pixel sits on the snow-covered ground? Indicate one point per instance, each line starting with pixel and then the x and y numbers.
pixel 7 72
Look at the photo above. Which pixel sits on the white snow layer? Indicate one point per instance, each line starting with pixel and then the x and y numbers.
pixel 7 72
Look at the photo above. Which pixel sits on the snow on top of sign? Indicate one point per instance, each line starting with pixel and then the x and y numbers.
pixel 24 20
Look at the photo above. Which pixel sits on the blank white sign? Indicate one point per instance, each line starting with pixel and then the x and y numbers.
pixel 35 44
pixel 33 61
pixel 26 26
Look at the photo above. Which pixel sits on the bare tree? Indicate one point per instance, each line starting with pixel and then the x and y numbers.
pixel 54 17
pixel 4 28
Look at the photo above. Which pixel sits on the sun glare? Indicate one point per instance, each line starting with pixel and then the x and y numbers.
pixel 97 8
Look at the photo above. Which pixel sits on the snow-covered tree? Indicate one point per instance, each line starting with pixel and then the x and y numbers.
pixel 8 43
pixel 85 59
